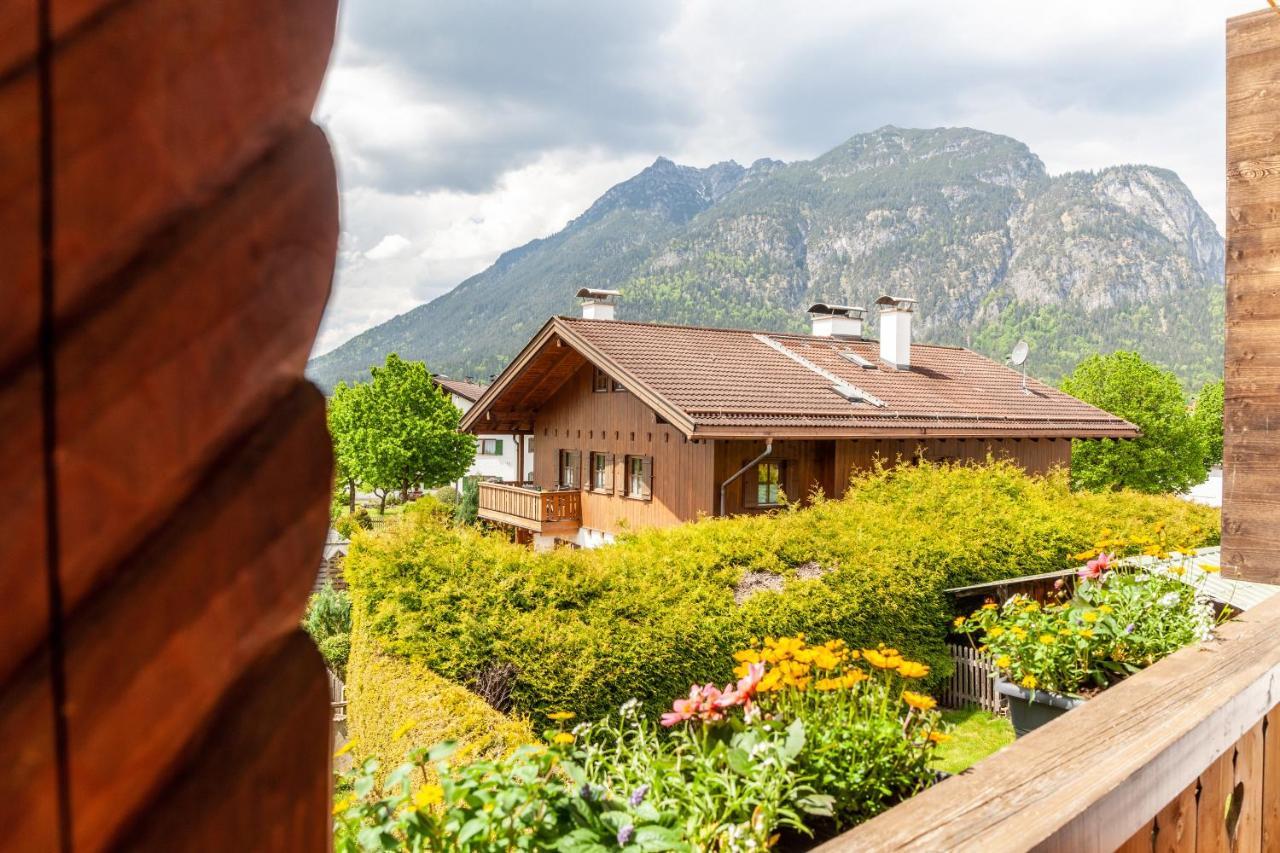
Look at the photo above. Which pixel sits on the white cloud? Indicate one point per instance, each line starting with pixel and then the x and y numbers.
pixel 463 129
pixel 388 247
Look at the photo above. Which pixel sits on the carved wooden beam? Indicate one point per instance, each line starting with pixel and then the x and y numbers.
pixel 168 220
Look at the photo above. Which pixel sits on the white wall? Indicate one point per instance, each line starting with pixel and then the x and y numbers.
pixel 502 466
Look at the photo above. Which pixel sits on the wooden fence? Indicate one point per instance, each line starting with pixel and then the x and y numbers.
pixel 337 697
pixel 972 683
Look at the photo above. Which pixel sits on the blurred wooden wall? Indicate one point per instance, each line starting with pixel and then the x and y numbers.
pixel 168 228
pixel 1251 453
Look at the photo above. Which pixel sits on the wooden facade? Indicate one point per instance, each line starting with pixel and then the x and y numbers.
pixel 1251 447
pixel 617 423
pixel 168 223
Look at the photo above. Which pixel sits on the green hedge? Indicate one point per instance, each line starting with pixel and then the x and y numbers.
pixel 396 704
pixel 587 630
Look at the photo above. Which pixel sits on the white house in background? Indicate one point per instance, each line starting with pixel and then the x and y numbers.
pixel 498 455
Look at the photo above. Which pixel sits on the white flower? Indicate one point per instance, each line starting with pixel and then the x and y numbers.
pixel 1169 599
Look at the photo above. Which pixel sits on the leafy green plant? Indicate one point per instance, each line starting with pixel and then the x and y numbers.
pixel 1208 419
pixel 738 766
pixel 654 613
pixel 349 523
pixel 1122 618
pixel 328 621
pixel 467 508
pixel 1168 457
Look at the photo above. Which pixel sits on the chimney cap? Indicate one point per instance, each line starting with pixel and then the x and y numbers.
pixel 854 311
pixel 896 303
pixel 599 295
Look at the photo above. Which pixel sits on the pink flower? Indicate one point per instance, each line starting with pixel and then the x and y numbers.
pixel 681 710
pixel 1094 568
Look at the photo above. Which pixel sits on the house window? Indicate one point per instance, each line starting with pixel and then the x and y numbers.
pixel 640 477
pixel 600 381
pixel 768 483
pixel 617 386
pixel 489 447
pixel 528 444
pixel 569 463
pixel 601 472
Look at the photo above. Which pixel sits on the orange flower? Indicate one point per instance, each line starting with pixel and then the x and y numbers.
pixel 939 737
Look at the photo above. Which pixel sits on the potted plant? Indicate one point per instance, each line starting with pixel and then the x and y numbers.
pixel 1123 616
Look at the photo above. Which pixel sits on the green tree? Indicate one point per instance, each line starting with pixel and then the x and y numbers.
pixel 342 429
pixel 1208 418
pixel 1170 455
pixel 328 621
pixel 404 431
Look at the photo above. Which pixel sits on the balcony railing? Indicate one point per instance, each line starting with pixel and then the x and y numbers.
pixel 1183 756
pixel 525 506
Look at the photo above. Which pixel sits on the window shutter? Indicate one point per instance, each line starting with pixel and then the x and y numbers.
pixel 647 464
pixel 620 483
pixel 497 447
pixel 608 472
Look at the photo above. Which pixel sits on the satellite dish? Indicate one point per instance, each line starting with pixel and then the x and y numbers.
pixel 1019 355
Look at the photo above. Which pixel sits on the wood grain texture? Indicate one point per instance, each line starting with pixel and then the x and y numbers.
pixel 192 240
pixel 1251 481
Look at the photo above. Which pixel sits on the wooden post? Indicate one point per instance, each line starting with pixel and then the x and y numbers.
pixel 168 224
pixel 1251 453
pixel 519 457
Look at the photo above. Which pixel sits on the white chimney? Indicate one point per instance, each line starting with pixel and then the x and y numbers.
pixel 895 330
pixel 598 304
pixel 837 321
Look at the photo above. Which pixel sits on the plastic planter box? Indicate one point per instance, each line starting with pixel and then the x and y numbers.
pixel 1031 709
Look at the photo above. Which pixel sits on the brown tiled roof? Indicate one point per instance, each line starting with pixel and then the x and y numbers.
pixel 466 390
pixel 731 382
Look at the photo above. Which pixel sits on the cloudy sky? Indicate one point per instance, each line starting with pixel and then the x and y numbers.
pixel 463 129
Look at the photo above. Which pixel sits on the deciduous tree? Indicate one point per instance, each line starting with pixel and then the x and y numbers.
pixel 1170 455
pixel 1208 418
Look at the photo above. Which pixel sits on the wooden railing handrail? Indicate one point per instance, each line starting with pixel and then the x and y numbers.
pixel 1095 777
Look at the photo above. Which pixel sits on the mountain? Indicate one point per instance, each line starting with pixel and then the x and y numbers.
pixel 967 222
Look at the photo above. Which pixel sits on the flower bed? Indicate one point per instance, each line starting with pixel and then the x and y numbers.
pixel 1121 618
pixel 810 739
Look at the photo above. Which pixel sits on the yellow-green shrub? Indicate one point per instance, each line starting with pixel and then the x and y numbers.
pixel 396 704
pixel 644 618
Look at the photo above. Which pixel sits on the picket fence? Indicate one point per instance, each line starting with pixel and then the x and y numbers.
pixel 972 683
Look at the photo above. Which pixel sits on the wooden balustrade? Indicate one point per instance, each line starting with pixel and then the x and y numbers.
pixel 522 506
pixel 1182 756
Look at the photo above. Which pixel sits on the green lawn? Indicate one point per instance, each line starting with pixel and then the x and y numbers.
pixel 975 734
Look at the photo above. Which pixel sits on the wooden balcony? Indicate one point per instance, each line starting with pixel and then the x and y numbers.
pixel 549 513
pixel 1183 756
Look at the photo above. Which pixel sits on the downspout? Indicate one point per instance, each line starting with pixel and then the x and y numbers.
pixel 768 448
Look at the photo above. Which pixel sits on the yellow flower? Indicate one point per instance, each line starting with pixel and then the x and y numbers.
pixel 1019 632
pixel 563 738
pixel 343 804
pixel 350 745
pixel 1066 632
pixel 561 715
pixel 827 684
pixel 880 660
pixel 1211 568
pixel 1029 682
pixel 852 677
pixel 403 729
pixel 488 806
pixel 958 621
pixel 1105 608
pixel 990 605
pixel 747 656
pixel 1177 571
pixel 939 737
pixel 1084 555
pixel 1031 606
pixel 1004 661
pixel 1048 639
pixel 1090 616
pixel 994 631
pixel 1087 633
pixel 428 795
pixel 912 669
pixel 919 701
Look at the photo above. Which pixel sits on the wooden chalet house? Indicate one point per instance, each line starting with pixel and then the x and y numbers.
pixel 642 425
